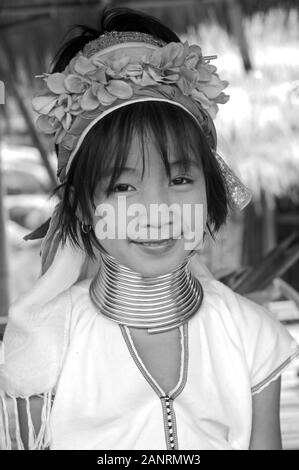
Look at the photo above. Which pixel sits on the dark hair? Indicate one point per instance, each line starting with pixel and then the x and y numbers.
pixel 163 121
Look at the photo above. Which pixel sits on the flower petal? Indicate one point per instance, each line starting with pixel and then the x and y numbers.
pixel 60 134
pixel 59 112
pixel 211 68
pixel 55 83
pixel 155 59
pixel 89 101
pixel 152 73
pixel 113 73
pixel 194 48
pixel 104 97
pixel 99 75
pixel 83 65
pixel 120 89
pixel 67 121
pixel 184 85
pixel 74 83
pixel 119 63
pixel 48 125
pixel 188 74
pixel 192 61
pixel 203 74
pixel 76 106
pixel 70 68
pixel 213 88
pixel 44 104
pixel 200 96
pixel 213 110
pixel 222 98
pixel 97 60
pixel 146 80
pixel 173 54
pixel 65 100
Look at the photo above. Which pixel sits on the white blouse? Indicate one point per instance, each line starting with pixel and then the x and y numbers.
pixel 105 398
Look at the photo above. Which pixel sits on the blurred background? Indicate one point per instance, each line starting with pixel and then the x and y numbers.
pixel 257 44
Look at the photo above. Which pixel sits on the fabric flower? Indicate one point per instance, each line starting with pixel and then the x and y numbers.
pixel 55 83
pixel 172 55
pixel 214 87
pixel 120 89
pixel 116 65
pixel 83 65
pixel 76 83
pixel 44 103
pixel 88 85
pixel 48 124
pixel 143 80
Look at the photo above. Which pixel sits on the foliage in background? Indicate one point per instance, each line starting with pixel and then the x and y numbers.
pixel 258 128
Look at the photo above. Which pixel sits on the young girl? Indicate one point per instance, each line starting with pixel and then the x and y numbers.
pixel 126 341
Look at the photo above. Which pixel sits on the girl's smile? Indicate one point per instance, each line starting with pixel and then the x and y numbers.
pixel 155 247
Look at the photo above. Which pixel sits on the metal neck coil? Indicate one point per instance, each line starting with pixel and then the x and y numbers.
pixel 157 304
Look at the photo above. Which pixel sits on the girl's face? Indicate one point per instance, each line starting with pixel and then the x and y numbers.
pixel 152 188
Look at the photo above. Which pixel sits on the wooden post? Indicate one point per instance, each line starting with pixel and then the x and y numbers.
pixel 4 295
pixel 236 24
pixel 269 229
pixel 14 86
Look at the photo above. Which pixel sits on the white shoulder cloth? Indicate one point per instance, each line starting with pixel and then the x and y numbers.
pixel 35 341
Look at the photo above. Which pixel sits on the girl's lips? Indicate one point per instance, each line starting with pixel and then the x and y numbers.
pixel 157 246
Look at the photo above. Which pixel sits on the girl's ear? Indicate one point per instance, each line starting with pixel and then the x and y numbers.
pixel 79 212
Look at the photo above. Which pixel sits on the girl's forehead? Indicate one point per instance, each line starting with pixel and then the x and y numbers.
pixel 144 151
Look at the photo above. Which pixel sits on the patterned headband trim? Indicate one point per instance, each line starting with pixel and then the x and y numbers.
pixel 120 68
pixel 112 38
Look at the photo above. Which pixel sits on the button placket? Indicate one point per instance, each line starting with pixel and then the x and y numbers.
pixel 166 399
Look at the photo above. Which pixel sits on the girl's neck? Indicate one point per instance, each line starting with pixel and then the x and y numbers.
pixel 157 304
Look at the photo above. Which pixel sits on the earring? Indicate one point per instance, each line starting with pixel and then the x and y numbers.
pixel 86 228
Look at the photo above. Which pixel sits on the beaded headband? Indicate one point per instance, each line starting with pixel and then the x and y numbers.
pixel 122 68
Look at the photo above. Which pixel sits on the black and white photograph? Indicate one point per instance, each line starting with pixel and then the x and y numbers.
pixel 149 228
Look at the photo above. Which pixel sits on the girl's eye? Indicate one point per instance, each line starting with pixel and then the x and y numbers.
pixel 181 180
pixel 123 187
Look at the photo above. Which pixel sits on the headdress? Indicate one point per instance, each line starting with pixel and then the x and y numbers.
pixel 121 68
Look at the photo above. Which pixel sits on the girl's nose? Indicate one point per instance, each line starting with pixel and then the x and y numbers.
pixel 155 194
pixel 156 204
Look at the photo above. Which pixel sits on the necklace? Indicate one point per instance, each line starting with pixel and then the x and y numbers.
pixel 158 303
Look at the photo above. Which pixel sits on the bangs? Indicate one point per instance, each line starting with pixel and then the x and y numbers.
pixel 169 128
pixel 107 145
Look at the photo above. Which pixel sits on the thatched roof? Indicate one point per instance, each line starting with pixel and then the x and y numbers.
pixel 258 129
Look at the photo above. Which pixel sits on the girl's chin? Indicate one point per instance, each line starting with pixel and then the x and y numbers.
pixel 158 259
